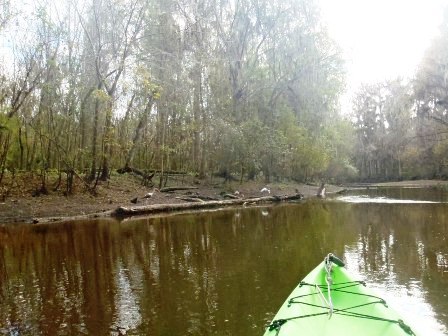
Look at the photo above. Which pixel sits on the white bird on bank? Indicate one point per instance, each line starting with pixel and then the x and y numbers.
pixel 265 190
pixel 150 194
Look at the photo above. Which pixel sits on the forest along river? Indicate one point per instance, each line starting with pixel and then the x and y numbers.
pixel 223 272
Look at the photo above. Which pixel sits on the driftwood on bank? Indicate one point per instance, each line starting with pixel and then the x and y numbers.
pixel 190 199
pixel 171 189
pixel 202 197
pixel 230 196
pixel 196 198
pixel 157 208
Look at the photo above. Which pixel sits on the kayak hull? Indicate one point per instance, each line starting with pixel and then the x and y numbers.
pixel 350 309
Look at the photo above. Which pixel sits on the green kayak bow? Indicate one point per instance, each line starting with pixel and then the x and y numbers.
pixel 329 302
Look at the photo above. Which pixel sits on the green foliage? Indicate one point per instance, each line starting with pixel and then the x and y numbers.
pixel 401 127
pixel 180 84
pixel 101 96
pixel 146 85
pixel 382 121
pixel 440 154
pixel 9 130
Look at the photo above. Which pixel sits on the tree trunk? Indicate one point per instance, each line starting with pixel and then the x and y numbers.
pixel 83 127
pixel 107 140
pixel 96 116
pixel 21 148
pixel 138 132
pixel 5 137
pixel 196 118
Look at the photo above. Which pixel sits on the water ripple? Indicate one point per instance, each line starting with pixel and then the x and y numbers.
pixel 369 199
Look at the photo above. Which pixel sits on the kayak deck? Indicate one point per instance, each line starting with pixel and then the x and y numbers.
pixel 329 302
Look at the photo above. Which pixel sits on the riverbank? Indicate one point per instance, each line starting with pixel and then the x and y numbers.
pixel 21 204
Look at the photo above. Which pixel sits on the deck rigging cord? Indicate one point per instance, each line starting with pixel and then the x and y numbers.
pixel 329 280
pixel 327 301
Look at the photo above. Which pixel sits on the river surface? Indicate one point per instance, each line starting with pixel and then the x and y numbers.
pixel 222 272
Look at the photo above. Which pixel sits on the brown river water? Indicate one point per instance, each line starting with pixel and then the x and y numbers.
pixel 222 272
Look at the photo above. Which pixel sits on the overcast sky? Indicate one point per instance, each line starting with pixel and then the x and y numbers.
pixel 382 39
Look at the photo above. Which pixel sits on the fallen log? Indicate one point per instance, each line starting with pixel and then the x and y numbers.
pixel 207 198
pixel 157 208
pixel 201 197
pixel 230 196
pixel 190 199
pixel 171 189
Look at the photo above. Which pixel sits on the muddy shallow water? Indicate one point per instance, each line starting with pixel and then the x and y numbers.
pixel 220 272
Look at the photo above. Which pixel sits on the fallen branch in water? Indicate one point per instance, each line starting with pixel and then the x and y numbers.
pixel 157 208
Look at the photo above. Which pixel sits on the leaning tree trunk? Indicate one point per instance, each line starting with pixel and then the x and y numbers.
pixel 95 139
pixel 107 141
pixel 138 133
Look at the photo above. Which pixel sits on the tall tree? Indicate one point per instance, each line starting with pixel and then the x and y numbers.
pixel 383 124
pixel 431 101
pixel 116 27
